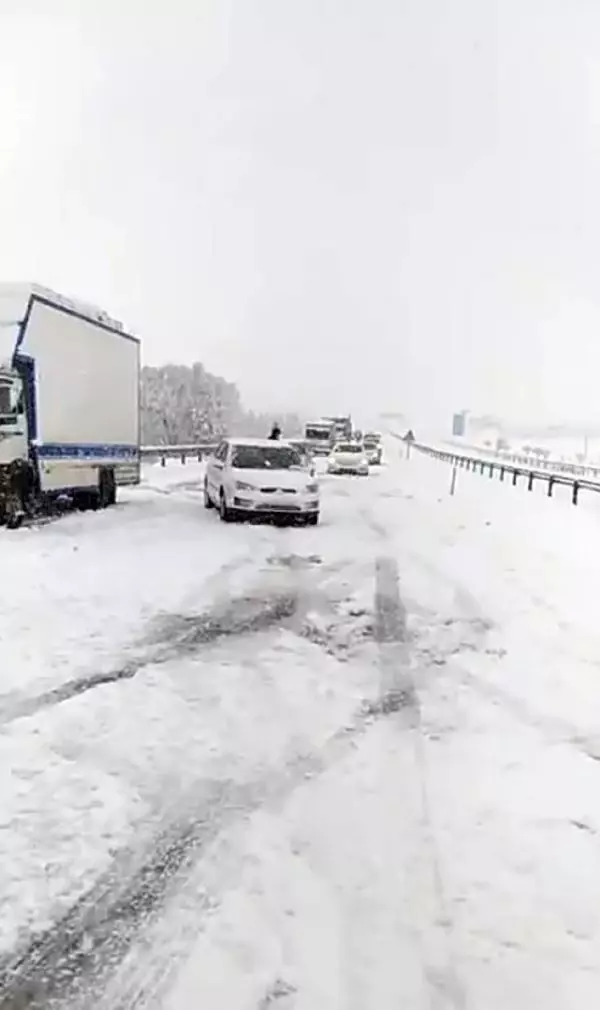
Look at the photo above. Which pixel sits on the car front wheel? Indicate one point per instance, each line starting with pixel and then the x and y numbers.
pixel 312 519
pixel 225 512
pixel 208 502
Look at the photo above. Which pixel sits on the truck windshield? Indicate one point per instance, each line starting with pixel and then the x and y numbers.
pixel 5 405
pixel 322 433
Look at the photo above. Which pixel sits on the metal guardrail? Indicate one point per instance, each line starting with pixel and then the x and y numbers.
pixel 504 468
pixel 183 452
pixel 537 462
pixel 511 465
pixel 197 451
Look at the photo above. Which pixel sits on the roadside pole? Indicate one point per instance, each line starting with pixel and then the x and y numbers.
pixel 453 480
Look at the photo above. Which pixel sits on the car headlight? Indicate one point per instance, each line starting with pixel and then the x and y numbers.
pixel 241 485
pixel 312 488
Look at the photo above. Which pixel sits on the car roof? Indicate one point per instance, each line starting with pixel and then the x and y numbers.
pixel 259 442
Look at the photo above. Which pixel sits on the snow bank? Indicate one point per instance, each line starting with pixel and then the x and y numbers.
pixel 78 593
pixel 106 769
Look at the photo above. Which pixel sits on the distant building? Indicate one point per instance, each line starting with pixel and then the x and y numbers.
pixel 459 424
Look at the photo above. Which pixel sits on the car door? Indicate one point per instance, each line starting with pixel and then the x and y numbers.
pixel 215 470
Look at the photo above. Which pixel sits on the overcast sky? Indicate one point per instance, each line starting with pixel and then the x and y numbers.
pixel 335 203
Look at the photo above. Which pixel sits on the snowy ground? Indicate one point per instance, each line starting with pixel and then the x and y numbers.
pixel 241 769
pixel 560 448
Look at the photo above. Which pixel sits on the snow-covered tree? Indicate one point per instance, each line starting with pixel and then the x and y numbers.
pixel 184 404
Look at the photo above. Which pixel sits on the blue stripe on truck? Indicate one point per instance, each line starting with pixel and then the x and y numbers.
pixel 89 450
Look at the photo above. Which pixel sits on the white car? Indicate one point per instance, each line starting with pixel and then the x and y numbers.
pixel 372 443
pixel 348 457
pixel 261 477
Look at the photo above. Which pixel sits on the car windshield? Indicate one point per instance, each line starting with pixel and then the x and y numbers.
pixel 265 457
pixel 349 447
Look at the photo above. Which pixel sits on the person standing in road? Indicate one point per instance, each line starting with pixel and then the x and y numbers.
pixel 275 432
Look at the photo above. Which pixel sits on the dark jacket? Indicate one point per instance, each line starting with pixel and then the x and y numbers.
pixel 275 432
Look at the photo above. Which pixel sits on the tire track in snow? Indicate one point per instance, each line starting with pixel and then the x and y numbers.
pixel 399 695
pixel 67 965
pixel 179 634
pixel 397 686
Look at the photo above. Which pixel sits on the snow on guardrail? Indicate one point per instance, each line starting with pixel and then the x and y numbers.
pixel 195 451
pixel 553 473
pixel 536 462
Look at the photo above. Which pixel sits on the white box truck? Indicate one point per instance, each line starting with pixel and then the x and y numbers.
pixel 69 403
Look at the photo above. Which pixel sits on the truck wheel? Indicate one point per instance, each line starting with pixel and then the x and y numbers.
pixel 15 516
pixel 107 489
pixel 82 500
pixel 19 492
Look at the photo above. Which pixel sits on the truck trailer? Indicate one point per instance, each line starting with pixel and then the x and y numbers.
pixel 69 403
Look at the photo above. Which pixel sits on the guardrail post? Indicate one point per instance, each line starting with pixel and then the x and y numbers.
pixel 491 473
pixel 575 491
pixel 163 459
pixel 550 486
pixel 199 455
pixel 183 458
pixel 515 476
pixel 501 473
pixel 530 481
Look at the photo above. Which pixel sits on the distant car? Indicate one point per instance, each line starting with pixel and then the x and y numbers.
pixel 348 457
pixel 259 477
pixel 306 456
pixel 372 444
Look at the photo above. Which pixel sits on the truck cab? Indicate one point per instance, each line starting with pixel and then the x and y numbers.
pixel 318 436
pixel 16 474
pixel 13 425
pixel 11 395
pixel 342 426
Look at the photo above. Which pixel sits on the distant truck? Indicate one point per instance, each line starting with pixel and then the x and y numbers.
pixel 69 403
pixel 342 427
pixel 318 437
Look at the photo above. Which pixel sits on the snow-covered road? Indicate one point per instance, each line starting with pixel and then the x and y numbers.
pixel 249 767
